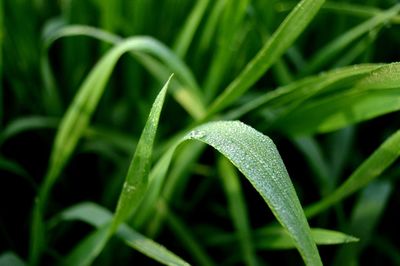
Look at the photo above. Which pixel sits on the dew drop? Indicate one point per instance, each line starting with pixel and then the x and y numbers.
pixel 197 134
pixel 128 188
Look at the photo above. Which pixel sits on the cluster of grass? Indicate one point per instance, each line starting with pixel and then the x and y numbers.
pixel 121 143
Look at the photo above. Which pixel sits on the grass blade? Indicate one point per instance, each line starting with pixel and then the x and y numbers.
pixel 280 41
pixel 374 95
pixel 277 238
pixel 335 47
pixel 256 157
pixel 238 210
pixel 369 170
pixel 187 92
pixel 133 190
pixel 98 217
pixel 186 35
pixel 135 184
pixel 72 126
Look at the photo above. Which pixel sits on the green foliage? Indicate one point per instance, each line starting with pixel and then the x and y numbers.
pixel 82 132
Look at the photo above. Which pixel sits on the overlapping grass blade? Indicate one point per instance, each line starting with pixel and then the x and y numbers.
pixel 369 170
pixel 186 91
pixel 335 47
pixel 257 158
pixel 280 41
pixel 134 188
pixel 72 126
pixel 100 217
pixel 286 98
pixel 238 210
pixel 372 96
pixel 231 22
pixel 10 259
pixel 364 218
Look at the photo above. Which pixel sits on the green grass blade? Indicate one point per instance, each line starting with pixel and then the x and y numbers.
pixel 74 123
pixel 364 218
pixel 277 238
pixel 237 209
pixel 331 51
pixel 256 157
pixel 353 9
pixel 280 41
pixel 374 95
pixel 98 217
pixel 192 23
pixel 369 170
pixel 135 184
pixel 134 188
pixel 10 259
pixel 288 97
pixel 186 92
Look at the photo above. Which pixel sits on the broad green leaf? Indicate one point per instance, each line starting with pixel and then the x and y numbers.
pixel 99 217
pixel 372 96
pixel 186 92
pixel 10 259
pixel 273 49
pixel 369 170
pixel 134 188
pixel 237 208
pixel 334 48
pixel 364 217
pixel 277 238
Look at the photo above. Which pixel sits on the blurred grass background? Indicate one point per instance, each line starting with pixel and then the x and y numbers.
pixel 228 35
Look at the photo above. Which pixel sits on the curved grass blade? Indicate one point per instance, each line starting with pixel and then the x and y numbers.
pixel 374 95
pixel 133 190
pixel 10 259
pixel 287 97
pixel 257 158
pixel 237 208
pixel 186 92
pixel 99 217
pixel 331 50
pixel 369 170
pixel 72 126
pixel 273 49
